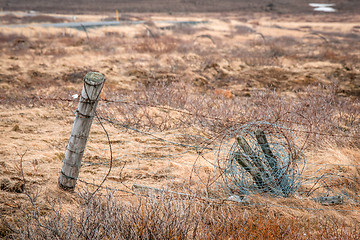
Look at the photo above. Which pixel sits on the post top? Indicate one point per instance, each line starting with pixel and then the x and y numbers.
pixel 94 78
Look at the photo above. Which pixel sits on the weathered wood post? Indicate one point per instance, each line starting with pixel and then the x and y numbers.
pixel 93 84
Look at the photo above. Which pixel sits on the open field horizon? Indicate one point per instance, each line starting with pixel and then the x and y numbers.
pixel 168 6
pixel 175 101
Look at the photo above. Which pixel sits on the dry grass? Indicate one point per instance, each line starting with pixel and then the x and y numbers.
pixel 13 19
pixel 161 45
pixel 165 217
pixel 195 85
pixel 320 116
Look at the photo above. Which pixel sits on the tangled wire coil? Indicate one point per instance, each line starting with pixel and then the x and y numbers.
pixel 261 157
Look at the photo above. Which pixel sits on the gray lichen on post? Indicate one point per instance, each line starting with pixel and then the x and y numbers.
pixel 86 111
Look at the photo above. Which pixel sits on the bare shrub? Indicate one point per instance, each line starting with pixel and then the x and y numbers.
pixel 185 29
pixel 242 29
pixel 112 34
pixel 320 116
pixel 15 43
pixel 151 106
pixel 103 45
pixel 165 217
pixel 100 217
pixel 283 46
pixel 5 38
pixel 285 41
pixel 185 46
pixel 166 105
pixel 257 57
pixel 76 75
pixel 161 45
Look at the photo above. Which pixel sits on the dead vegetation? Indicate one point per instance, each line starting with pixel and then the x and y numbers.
pixel 166 218
pixel 36 18
pixel 195 85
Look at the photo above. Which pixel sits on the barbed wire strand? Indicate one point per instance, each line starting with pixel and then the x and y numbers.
pixel 99 118
pixel 182 111
pixel 93 108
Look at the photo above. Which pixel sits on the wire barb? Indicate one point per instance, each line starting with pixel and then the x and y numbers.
pixel 263 158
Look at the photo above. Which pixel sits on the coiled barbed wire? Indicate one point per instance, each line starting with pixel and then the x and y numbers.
pixel 261 157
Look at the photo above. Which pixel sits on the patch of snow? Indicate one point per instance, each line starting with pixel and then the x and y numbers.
pixel 322 4
pixel 323 7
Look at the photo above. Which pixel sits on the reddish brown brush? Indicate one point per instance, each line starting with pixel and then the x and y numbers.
pixel 108 217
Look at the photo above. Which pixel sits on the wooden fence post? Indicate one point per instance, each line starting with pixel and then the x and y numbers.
pixel 93 84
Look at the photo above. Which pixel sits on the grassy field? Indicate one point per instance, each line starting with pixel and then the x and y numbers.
pixel 166 6
pixel 193 85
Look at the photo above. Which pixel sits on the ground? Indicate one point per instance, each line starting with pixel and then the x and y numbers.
pixel 165 6
pixel 172 89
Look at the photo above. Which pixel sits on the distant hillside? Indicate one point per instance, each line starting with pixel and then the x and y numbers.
pixel 92 6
